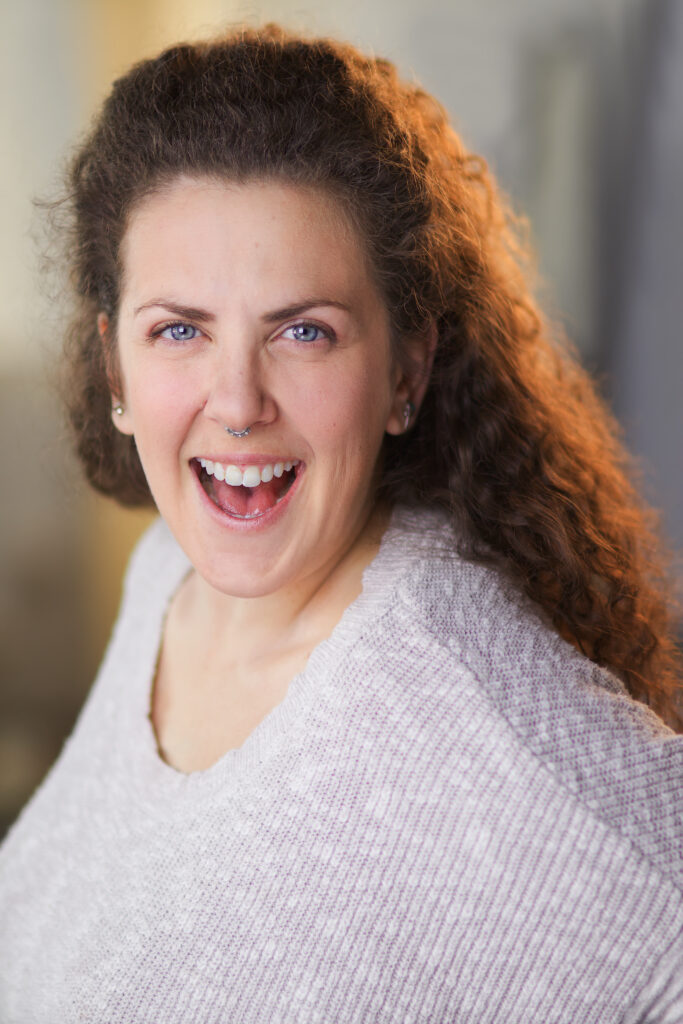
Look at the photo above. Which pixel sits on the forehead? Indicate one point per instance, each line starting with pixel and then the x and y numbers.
pixel 200 230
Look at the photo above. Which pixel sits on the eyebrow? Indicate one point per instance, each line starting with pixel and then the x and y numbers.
pixel 204 316
pixel 187 312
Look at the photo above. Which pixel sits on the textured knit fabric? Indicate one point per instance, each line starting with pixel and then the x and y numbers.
pixel 451 817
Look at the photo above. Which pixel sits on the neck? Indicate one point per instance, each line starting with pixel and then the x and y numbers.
pixel 299 615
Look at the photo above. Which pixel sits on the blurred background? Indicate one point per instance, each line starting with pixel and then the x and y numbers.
pixel 576 104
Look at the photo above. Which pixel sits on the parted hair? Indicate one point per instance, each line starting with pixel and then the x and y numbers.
pixel 511 439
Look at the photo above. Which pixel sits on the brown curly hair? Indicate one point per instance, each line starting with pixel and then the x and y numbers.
pixel 512 438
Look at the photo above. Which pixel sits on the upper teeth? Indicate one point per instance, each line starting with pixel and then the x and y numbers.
pixel 250 476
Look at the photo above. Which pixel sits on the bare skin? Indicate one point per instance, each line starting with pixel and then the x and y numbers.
pixel 221 674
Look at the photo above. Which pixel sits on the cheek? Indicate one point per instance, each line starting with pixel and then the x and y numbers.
pixel 160 402
pixel 160 391
pixel 348 414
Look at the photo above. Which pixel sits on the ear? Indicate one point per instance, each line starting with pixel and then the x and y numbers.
pixel 414 367
pixel 121 420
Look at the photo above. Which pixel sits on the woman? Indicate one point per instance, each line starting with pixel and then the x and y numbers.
pixel 371 739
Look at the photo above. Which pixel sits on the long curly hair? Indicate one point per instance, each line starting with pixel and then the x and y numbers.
pixel 512 439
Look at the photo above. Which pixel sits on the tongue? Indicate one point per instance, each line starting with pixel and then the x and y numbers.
pixel 247 501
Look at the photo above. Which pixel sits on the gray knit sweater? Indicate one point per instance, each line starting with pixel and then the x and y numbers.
pixel 452 817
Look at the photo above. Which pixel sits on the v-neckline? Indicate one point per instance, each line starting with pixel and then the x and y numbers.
pixel 154 778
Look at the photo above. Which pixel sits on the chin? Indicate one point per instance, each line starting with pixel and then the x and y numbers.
pixel 243 576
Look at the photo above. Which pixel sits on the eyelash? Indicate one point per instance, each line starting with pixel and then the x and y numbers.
pixel 326 332
pixel 159 331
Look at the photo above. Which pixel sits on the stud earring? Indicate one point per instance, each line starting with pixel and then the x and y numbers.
pixel 118 409
pixel 408 412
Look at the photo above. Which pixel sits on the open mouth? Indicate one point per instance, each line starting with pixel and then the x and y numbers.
pixel 246 492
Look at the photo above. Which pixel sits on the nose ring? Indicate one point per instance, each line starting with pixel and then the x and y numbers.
pixel 237 433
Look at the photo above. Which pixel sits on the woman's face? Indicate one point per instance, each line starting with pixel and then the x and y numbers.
pixel 252 306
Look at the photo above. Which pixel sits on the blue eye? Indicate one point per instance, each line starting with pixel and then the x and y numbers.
pixel 178 332
pixel 306 332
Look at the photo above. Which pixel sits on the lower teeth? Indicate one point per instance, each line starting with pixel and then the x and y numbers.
pixel 251 515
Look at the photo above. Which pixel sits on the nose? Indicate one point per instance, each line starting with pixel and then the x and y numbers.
pixel 239 396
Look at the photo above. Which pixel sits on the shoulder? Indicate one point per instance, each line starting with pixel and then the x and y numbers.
pixel 156 564
pixel 609 751
pixel 155 569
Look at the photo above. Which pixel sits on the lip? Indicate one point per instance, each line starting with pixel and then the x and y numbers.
pixel 262 522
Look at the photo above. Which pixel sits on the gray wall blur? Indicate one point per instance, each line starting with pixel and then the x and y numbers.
pixel 577 104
